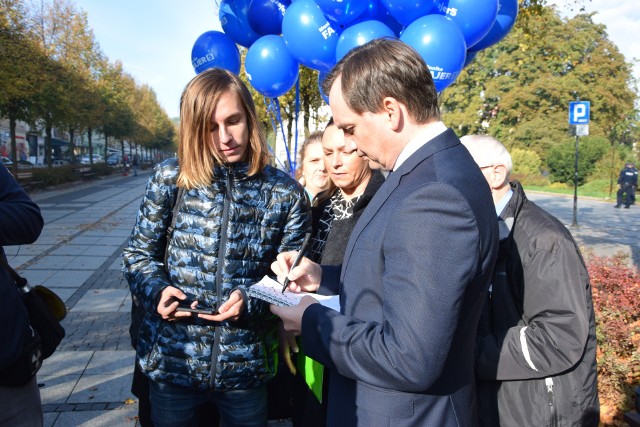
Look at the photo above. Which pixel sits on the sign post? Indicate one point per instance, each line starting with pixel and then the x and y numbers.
pixel 579 117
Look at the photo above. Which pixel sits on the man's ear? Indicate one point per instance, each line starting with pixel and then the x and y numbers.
pixel 392 109
pixel 498 176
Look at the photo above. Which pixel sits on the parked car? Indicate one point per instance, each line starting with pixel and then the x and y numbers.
pixel 96 159
pixel 113 159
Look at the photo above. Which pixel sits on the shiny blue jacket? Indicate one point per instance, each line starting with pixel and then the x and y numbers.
pixel 226 237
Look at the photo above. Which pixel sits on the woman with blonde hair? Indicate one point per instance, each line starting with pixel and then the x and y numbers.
pixel 312 173
pixel 210 224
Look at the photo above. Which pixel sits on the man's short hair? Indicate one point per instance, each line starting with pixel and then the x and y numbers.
pixel 386 67
pixel 487 151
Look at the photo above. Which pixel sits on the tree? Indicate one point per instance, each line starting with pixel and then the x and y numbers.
pixel 115 88
pixel 69 44
pixel 519 89
pixel 561 159
pixel 19 69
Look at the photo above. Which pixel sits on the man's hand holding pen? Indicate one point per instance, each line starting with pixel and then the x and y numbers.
pixel 305 277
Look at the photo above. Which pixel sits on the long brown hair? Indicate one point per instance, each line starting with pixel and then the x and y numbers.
pixel 196 154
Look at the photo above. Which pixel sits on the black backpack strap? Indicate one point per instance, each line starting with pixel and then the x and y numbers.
pixel 20 281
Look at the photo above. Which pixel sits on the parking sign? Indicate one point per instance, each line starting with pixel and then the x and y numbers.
pixel 579 113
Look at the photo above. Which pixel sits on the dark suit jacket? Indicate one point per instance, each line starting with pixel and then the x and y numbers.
pixel 415 272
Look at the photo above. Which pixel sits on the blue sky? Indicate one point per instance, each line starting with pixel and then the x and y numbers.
pixel 153 38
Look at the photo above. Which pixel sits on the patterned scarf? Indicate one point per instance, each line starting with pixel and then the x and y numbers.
pixel 337 209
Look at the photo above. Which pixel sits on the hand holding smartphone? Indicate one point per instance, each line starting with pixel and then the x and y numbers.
pixel 198 310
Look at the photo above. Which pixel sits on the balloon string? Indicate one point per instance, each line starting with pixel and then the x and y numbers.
pixel 295 148
pixel 269 108
pixel 284 138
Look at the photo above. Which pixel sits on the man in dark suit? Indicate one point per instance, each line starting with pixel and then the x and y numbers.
pixel 417 265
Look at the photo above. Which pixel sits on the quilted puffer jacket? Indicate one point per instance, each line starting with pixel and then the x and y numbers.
pixel 226 237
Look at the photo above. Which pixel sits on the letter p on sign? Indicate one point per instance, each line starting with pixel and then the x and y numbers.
pixel 579 113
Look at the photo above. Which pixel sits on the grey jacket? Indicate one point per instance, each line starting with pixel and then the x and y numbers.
pixel 225 238
pixel 536 347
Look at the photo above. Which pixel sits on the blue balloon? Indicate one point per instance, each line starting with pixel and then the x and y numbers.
pixel 441 44
pixel 507 14
pixel 265 16
pixel 342 11
pixel 474 17
pixel 269 66
pixel 215 49
pixel 469 59
pixel 309 36
pixel 377 12
pixel 321 77
pixel 359 34
pixel 407 11
pixel 234 21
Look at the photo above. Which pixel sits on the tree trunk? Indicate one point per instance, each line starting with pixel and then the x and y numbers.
pixel 14 145
pixel 89 139
pixel 71 144
pixel 47 145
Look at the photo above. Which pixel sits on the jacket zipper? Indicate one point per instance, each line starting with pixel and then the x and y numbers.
pixel 552 400
pixel 221 251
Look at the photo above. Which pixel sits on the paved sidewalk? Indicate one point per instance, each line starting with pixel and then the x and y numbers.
pixel 78 255
pixel 87 381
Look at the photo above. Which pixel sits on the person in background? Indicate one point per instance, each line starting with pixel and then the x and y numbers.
pixel 20 224
pixel 135 163
pixel 633 193
pixel 536 346
pixel 235 214
pixel 417 265
pixel 312 172
pixel 352 184
pixel 627 185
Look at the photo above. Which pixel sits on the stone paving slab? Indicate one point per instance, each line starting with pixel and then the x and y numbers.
pixel 103 300
pixel 66 363
pixel 123 416
pixel 103 388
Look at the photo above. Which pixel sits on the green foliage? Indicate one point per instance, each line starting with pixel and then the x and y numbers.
pixel 519 89
pixel 561 159
pixel 525 162
pixel 615 288
pixel 597 188
pixel 47 177
pixel 53 75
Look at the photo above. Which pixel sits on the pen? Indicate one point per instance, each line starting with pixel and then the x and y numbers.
pixel 303 248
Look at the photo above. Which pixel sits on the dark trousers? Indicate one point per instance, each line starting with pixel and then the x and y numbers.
pixel 626 192
pixel 207 413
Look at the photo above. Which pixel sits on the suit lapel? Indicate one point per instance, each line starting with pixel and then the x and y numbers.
pixel 441 142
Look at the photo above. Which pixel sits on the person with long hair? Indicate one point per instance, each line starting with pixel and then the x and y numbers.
pixel 233 214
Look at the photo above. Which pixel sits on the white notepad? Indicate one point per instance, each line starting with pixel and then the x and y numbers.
pixel 269 290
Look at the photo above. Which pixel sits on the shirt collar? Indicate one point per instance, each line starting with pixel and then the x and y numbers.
pixel 422 137
pixel 503 202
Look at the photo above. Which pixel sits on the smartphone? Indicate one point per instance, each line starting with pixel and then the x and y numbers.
pixel 197 310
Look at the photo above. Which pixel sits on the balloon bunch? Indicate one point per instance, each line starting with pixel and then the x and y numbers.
pixel 282 34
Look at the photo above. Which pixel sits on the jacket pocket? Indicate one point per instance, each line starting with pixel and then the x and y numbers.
pixel 384 403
